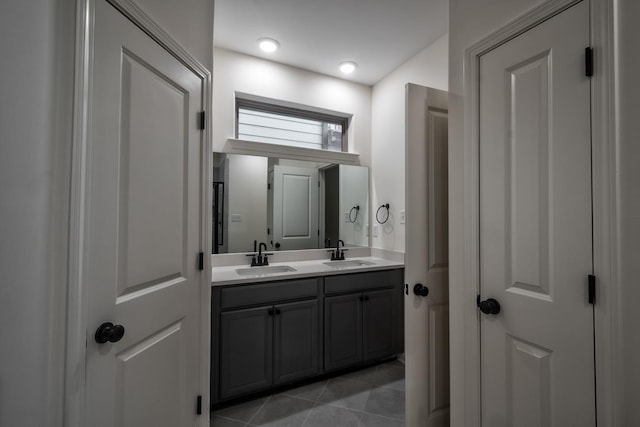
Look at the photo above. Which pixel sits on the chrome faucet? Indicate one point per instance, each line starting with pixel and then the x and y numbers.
pixel 338 254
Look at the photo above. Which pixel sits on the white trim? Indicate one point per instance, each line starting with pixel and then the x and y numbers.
pixel 74 393
pixel 605 215
pixel 289 104
pixel 253 148
pixel 77 302
pixel 470 232
pixel 605 206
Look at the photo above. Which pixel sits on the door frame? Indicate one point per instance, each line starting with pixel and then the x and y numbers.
pixel 77 291
pixel 466 326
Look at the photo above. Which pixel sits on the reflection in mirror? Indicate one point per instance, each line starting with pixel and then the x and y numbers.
pixel 288 204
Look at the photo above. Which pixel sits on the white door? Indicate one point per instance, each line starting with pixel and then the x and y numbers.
pixel 143 230
pixel 295 208
pixel 537 364
pixel 426 318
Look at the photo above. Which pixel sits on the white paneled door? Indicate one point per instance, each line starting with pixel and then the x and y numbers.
pixel 295 208
pixel 143 231
pixel 537 360
pixel 426 318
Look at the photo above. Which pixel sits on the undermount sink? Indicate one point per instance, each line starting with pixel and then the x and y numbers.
pixel 348 263
pixel 260 271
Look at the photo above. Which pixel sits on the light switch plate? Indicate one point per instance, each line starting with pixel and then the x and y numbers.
pixel 346 217
pixel 375 230
pixel 402 217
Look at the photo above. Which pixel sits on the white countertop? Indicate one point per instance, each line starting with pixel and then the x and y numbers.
pixel 227 275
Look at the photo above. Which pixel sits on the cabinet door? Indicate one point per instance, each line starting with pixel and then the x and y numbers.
pixel 296 334
pixel 343 331
pixel 379 324
pixel 246 343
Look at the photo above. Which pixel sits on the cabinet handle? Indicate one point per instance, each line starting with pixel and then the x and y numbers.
pixel 277 311
pixel 366 297
pixel 361 298
pixel 270 312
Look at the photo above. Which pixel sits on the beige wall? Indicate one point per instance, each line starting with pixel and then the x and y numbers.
pixel 36 46
pixel 629 204
pixel 189 22
pixel 236 72
pixel 378 126
pixel 247 198
pixel 427 68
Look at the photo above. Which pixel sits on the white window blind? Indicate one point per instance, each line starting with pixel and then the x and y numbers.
pixel 286 128
pixel 278 129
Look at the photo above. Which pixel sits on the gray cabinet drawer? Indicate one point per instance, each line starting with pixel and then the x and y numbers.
pixel 362 281
pixel 268 293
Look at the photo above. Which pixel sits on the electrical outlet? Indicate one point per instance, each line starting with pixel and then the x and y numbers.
pixel 402 217
pixel 375 230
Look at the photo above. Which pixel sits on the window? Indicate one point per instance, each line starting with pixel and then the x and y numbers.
pixel 275 124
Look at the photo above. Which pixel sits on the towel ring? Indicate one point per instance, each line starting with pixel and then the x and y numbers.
pixel 356 209
pixel 386 207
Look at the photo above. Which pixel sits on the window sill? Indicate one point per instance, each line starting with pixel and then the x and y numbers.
pixel 241 146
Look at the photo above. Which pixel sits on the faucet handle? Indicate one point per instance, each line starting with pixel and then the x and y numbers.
pixel 254 260
pixel 263 259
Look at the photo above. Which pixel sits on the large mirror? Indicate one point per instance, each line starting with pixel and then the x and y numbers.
pixel 287 204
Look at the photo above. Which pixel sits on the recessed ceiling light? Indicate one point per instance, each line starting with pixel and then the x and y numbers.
pixel 268 45
pixel 347 67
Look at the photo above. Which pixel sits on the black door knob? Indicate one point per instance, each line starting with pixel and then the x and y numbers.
pixel 420 290
pixel 277 245
pixel 108 332
pixel 489 306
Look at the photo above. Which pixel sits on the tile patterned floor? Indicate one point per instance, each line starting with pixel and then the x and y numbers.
pixel 372 397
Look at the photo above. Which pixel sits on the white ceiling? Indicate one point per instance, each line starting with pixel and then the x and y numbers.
pixel 316 35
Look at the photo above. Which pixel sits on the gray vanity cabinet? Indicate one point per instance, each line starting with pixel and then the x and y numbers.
pixel 343 331
pixel 246 362
pixel 267 334
pixel 378 324
pixel 296 338
pixel 264 335
pixel 363 320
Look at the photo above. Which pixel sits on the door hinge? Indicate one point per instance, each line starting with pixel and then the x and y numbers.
pixel 268 231
pixel 588 61
pixel 592 289
pixel 199 405
pixel 202 120
pixel 268 186
pixel 201 261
